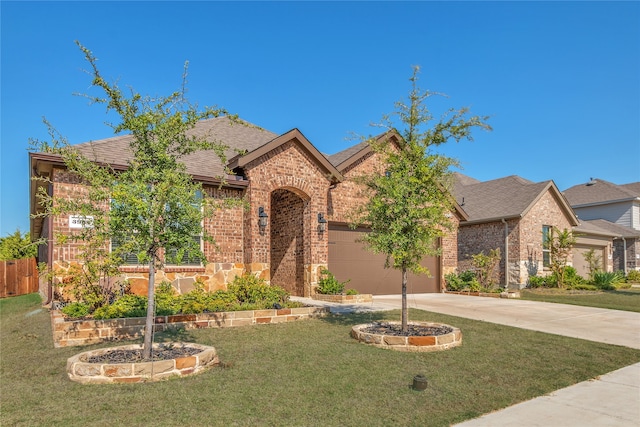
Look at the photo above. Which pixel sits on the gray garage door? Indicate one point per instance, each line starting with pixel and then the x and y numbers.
pixel 348 259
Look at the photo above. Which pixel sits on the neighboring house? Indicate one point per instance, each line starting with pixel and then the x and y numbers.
pixel 606 239
pixel 511 214
pixel 618 208
pixel 305 196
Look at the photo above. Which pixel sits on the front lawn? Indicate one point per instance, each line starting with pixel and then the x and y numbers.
pixel 307 373
pixel 620 299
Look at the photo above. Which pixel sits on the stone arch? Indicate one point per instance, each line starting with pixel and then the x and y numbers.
pixel 289 238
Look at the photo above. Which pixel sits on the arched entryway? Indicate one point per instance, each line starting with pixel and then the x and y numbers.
pixel 289 252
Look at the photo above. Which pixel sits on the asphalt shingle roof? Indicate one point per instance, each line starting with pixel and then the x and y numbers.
pixel 115 151
pixel 599 191
pixel 607 228
pixel 507 197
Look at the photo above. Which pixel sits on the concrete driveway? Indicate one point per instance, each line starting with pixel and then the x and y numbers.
pixel 589 323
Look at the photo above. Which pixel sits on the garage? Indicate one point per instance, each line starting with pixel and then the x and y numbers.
pixel 349 260
pixel 580 263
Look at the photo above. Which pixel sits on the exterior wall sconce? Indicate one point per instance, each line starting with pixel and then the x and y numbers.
pixel 322 223
pixel 262 218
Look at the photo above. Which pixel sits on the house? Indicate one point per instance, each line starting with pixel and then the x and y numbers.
pixel 514 215
pixel 615 209
pixel 295 224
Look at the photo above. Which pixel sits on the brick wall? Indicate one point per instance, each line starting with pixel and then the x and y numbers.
pixel 288 167
pixel 525 240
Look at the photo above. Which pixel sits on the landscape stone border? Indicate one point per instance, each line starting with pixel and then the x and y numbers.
pixel 133 372
pixel 68 333
pixel 409 343
pixel 344 299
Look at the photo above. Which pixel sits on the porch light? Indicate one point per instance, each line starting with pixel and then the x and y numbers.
pixel 322 223
pixel 262 218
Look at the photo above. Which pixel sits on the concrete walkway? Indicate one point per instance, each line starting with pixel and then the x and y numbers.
pixel 609 400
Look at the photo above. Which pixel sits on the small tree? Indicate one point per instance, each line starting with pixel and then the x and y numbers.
pixel 560 244
pixel 485 264
pixel 594 262
pixel 17 246
pixel 153 209
pixel 408 206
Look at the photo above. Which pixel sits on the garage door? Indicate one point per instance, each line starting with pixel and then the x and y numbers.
pixel 349 260
pixel 580 264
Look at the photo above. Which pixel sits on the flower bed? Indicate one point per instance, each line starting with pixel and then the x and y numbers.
pixel 82 332
pixel 436 336
pixel 486 294
pixel 82 369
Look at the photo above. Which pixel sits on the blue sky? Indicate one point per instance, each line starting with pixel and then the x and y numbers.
pixel 560 80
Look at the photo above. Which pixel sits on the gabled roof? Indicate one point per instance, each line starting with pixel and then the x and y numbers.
pixel 602 227
pixel 203 164
pixel 508 197
pixel 598 191
pixel 241 161
pixel 345 158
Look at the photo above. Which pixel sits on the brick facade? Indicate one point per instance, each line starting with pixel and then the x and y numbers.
pixel 292 186
pixel 524 240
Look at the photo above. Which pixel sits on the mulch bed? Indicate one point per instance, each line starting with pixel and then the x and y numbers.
pixel 135 356
pixel 383 328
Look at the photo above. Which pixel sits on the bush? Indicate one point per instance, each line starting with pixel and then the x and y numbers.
pixel 125 306
pixel 249 289
pixel 606 280
pixel 572 278
pixel 351 292
pixel 464 281
pixel 537 282
pixel 166 300
pixel 329 285
pixel 633 276
pixel 76 310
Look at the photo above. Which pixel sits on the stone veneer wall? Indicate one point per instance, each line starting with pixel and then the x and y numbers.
pixel 84 332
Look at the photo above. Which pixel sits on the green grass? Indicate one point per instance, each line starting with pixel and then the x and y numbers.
pixel 306 373
pixel 621 299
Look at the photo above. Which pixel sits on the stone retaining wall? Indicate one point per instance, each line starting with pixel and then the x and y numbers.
pixel 344 299
pixel 84 332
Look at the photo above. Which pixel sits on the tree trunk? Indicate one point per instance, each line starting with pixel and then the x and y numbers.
pixel 148 327
pixel 405 328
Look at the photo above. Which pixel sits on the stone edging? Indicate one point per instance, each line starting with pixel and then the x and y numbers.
pixel 83 332
pixel 486 294
pixel 344 299
pixel 410 343
pixel 101 373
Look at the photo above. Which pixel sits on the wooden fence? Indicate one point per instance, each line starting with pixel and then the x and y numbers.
pixel 18 277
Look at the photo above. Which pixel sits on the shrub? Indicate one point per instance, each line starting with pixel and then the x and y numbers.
pixel 125 306
pixel 76 310
pixel 166 300
pixel 463 281
pixel 485 265
pixel 253 290
pixel 537 282
pixel 351 292
pixel 453 282
pixel 606 280
pixel 572 278
pixel 329 285
pixel 633 276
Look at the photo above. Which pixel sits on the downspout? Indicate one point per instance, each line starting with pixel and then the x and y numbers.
pixel 506 254
pixel 624 255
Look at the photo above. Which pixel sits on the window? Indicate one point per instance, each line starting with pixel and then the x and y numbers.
pixel 546 249
pixel 171 254
pixel 129 258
